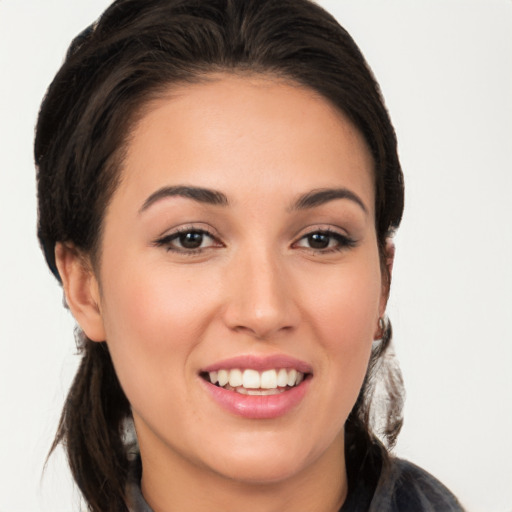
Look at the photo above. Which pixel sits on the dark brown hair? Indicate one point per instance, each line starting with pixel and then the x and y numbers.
pixel 137 49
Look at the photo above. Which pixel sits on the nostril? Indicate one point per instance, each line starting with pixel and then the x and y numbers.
pixel 261 303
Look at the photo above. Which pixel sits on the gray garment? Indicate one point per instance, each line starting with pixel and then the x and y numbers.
pixel 406 488
pixel 136 502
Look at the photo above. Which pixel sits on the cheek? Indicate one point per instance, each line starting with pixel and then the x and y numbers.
pixel 155 305
pixel 153 319
pixel 346 305
pixel 344 313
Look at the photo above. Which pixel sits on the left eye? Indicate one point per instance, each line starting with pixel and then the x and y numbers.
pixel 189 240
pixel 321 240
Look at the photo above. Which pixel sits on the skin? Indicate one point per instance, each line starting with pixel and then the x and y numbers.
pixel 255 287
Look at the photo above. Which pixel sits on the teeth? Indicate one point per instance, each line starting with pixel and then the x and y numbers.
pixel 235 378
pixel 263 391
pixel 251 379
pixel 282 378
pixel 223 377
pixel 269 379
pixel 253 382
pixel 254 392
pixel 292 377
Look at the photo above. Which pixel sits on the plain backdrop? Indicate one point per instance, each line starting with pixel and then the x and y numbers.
pixel 445 68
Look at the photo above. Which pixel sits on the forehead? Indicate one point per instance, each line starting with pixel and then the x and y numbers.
pixel 246 131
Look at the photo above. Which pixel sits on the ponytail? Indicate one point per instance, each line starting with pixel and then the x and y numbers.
pixel 91 428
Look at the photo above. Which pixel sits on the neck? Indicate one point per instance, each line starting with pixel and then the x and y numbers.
pixel 172 485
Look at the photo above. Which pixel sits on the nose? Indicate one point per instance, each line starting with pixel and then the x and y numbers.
pixel 261 299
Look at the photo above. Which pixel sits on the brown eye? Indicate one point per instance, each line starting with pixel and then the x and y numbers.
pixel 319 240
pixel 188 241
pixel 191 239
pixel 325 241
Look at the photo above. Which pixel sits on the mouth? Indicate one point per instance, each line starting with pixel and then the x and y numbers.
pixel 250 381
pixel 256 386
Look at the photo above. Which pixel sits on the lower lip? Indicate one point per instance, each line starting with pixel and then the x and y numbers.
pixel 258 406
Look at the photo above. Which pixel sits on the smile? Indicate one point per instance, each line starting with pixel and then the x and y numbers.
pixel 254 382
pixel 257 387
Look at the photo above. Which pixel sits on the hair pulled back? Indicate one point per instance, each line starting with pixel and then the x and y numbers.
pixel 134 52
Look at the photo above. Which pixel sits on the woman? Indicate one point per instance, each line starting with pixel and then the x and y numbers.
pixel 218 188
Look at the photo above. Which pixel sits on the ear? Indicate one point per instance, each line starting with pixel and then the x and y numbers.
pixel 81 290
pixel 390 259
pixel 387 271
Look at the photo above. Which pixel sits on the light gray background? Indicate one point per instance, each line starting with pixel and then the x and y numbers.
pixel 445 68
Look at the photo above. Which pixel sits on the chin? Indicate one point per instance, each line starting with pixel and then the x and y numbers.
pixel 266 459
pixel 261 471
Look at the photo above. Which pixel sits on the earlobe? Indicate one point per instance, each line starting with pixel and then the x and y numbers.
pixel 381 327
pixel 81 290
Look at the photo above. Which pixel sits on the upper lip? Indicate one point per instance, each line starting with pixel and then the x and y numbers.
pixel 260 363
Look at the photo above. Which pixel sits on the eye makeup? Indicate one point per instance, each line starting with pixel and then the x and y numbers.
pixel 190 240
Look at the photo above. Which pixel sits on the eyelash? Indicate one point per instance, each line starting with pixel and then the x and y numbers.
pixel 342 241
pixel 167 241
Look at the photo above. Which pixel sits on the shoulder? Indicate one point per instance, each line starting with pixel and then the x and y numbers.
pixel 403 487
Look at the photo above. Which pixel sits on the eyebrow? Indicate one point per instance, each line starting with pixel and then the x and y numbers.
pixel 321 196
pixel 306 201
pixel 199 194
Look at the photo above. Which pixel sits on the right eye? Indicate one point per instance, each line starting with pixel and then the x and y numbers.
pixel 188 241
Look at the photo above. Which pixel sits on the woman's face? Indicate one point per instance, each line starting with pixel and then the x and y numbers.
pixel 240 245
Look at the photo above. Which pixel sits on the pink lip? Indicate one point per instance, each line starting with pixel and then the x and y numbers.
pixel 257 406
pixel 260 363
